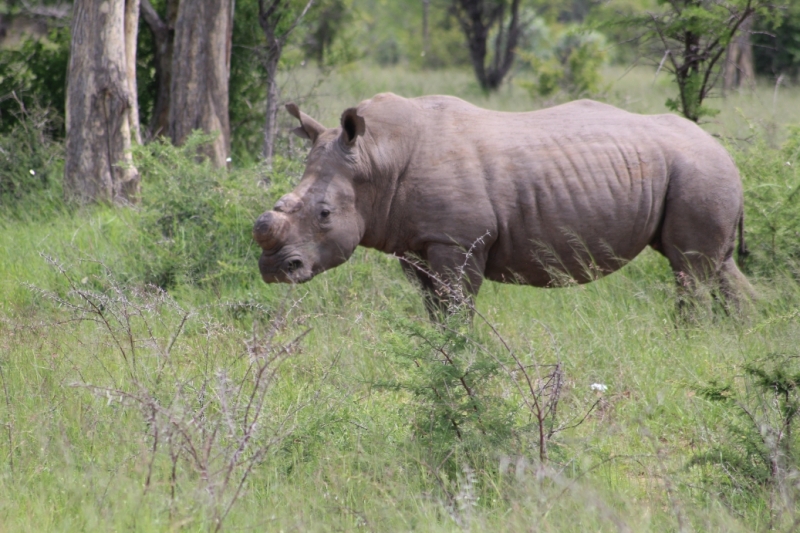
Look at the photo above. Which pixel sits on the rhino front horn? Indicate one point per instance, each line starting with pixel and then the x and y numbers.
pixel 270 229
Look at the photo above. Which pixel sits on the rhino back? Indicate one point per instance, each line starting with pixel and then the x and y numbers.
pixel 574 188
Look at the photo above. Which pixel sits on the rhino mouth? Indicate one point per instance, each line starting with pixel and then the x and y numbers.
pixel 292 270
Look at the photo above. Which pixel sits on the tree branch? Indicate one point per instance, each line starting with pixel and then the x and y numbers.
pixel 151 17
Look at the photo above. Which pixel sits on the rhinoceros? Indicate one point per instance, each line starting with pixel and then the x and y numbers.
pixel 560 195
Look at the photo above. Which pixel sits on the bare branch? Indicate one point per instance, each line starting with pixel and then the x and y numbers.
pixel 151 16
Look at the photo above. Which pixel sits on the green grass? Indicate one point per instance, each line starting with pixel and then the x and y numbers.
pixel 346 454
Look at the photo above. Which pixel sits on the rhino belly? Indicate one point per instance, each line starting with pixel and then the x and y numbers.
pixel 575 219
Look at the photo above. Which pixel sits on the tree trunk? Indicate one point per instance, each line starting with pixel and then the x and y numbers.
pixel 477 20
pixel 163 34
pixel 739 63
pixel 271 123
pixel 272 15
pixel 131 32
pixel 426 37
pixel 200 70
pixel 98 165
pixel 3 27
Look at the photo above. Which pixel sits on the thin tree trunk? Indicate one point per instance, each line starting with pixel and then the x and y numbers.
pixel 200 71
pixel 477 20
pixel 98 165
pixel 739 63
pixel 271 14
pixel 131 32
pixel 3 27
pixel 163 33
pixel 271 123
pixel 426 37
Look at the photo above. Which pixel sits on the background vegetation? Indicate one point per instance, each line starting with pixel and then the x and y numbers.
pixel 149 380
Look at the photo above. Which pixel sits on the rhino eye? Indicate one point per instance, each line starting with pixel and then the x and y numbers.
pixel 324 213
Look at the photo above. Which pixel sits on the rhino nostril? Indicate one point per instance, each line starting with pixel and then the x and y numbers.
pixel 291 266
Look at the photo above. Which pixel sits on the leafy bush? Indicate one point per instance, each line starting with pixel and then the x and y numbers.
pixel 772 194
pixel 452 383
pixel 571 64
pixel 387 52
pixel 31 164
pixel 762 449
pixel 776 43
pixel 196 221
pixel 35 72
pixel 475 398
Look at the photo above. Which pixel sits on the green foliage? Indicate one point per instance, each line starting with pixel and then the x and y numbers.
pixel 469 395
pixel 761 449
pixel 146 82
pixel 688 38
pixel 772 194
pixel 247 86
pixel 571 64
pixel 36 72
pixel 776 42
pixel 317 36
pixel 446 48
pixel 392 33
pixel 453 386
pixel 323 26
pixel 584 60
pixel 689 104
pixel 196 221
pixel 31 164
pixel 612 18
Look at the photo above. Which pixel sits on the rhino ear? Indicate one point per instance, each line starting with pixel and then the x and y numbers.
pixel 309 128
pixel 353 125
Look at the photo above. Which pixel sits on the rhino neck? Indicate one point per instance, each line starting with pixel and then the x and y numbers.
pixel 381 197
pixel 380 211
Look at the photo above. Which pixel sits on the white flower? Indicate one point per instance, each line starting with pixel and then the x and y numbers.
pixel 599 387
pixel 228 160
pixel 788 164
pixel 33 172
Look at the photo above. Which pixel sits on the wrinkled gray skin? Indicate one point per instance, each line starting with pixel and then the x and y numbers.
pixel 561 195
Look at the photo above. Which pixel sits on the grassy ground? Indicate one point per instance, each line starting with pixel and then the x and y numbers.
pixel 126 408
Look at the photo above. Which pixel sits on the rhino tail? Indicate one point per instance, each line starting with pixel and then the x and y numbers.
pixel 743 252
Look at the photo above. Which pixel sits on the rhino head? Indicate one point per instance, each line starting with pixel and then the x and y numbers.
pixel 317 226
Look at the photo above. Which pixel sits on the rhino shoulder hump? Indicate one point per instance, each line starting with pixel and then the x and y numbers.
pixel 585 103
pixel 670 119
pixel 384 96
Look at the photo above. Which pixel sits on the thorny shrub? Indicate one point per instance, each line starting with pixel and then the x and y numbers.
pixel 762 448
pixel 208 421
pixel 472 398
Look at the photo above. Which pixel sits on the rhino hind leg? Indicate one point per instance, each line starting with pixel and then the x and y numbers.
pixel 699 247
pixel 734 286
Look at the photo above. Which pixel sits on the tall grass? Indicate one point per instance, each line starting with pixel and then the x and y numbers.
pixel 126 360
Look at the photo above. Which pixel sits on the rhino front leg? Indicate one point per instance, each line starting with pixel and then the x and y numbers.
pixel 418 272
pixel 449 276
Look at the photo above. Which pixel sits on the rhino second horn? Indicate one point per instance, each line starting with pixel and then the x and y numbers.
pixel 270 229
